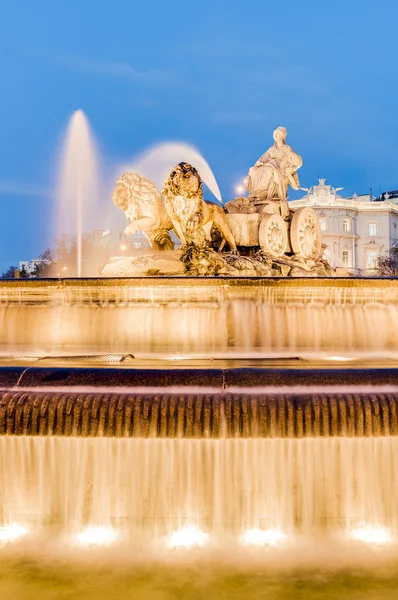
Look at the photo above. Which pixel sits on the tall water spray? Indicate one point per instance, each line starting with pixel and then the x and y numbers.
pixel 79 182
pixel 157 162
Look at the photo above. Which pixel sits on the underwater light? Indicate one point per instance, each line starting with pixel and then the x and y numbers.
pixel 371 534
pixel 263 537
pixel 187 537
pixel 97 536
pixel 11 533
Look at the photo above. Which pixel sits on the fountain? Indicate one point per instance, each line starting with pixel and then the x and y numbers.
pixel 255 411
pixel 78 185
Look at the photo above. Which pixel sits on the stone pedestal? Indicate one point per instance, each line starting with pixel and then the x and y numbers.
pixel 145 263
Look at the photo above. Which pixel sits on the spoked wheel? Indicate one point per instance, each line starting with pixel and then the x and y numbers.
pixel 272 235
pixel 305 233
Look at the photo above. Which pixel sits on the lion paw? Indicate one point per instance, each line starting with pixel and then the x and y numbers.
pixel 130 229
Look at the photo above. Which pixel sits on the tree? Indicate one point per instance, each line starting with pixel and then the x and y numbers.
pixel 9 273
pixel 48 256
pixel 61 261
pixel 388 265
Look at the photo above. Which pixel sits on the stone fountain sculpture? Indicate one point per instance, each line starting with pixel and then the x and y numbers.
pixel 257 235
pixel 143 205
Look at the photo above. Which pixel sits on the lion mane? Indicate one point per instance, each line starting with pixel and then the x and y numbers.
pixel 174 185
pixel 132 188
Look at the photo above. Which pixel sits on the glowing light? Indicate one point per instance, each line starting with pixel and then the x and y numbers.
pixel 339 358
pixel 240 189
pixel 65 268
pixel 187 537
pixel 97 536
pixel 370 534
pixel 123 247
pixel 11 533
pixel 263 537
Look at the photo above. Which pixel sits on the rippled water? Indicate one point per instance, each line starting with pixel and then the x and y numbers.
pixel 26 579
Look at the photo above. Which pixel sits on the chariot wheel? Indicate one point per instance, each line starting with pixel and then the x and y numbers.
pixel 305 233
pixel 272 235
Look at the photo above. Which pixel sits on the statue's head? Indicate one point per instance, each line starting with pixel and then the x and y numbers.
pixel 280 134
pixel 184 180
pixel 132 188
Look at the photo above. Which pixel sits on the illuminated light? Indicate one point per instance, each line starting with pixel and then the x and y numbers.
pixel 370 534
pixel 339 358
pixel 263 537
pixel 240 189
pixel 96 536
pixel 187 537
pixel 123 247
pixel 11 533
pixel 65 268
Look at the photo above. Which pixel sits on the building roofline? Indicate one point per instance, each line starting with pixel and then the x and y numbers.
pixel 345 203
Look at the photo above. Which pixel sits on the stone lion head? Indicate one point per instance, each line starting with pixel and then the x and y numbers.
pixel 184 180
pixel 132 189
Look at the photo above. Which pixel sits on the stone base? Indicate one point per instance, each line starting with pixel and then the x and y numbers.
pixel 145 263
pixel 206 262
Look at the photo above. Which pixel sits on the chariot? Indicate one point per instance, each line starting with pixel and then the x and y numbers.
pixel 299 234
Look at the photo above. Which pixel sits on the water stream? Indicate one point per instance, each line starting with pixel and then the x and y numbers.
pixel 78 183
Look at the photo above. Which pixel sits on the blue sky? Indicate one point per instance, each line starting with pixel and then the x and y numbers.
pixel 220 75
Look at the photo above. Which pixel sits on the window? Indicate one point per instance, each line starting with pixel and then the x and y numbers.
pixel 371 259
pixel 322 223
pixel 345 258
pixel 346 224
pixel 372 229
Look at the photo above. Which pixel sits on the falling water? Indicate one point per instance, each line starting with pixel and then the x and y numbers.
pixel 78 188
pixel 157 162
pixel 224 487
pixel 210 317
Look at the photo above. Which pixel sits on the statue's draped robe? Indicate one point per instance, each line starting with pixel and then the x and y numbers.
pixel 273 173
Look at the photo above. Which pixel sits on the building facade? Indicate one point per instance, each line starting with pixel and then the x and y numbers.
pixel 357 230
pixel 30 267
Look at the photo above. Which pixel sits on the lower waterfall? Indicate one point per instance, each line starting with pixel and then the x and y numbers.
pixel 224 486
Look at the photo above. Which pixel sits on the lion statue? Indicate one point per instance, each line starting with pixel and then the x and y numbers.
pixel 143 205
pixel 191 216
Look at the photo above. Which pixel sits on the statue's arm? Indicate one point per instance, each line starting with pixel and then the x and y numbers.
pixel 263 159
pixel 294 159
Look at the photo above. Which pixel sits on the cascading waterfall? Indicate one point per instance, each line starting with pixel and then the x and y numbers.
pixel 226 461
pixel 200 317
pixel 156 486
pixel 157 414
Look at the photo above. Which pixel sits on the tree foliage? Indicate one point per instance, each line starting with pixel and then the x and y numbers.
pixel 62 259
pixel 9 273
pixel 388 265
